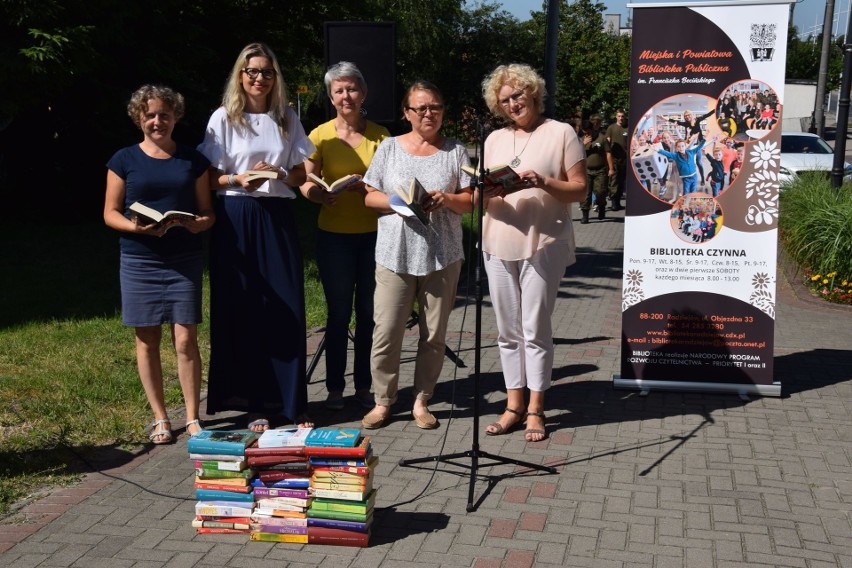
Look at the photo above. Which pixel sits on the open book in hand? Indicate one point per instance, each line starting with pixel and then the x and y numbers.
pixel 145 215
pixel 411 200
pixel 502 175
pixel 258 174
pixel 338 185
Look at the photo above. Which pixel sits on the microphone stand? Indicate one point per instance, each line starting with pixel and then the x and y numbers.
pixel 475 454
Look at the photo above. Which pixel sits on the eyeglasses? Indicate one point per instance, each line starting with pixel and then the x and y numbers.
pixel 514 97
pixel 252 72
pixel 421 110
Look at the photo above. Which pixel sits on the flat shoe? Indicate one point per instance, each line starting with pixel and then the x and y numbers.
pixel 198 423
pixel 375 418
pixel 425 421
pixel 161 429
pixel 499 429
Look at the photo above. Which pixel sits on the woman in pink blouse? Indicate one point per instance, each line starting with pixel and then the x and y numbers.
pixel 528 238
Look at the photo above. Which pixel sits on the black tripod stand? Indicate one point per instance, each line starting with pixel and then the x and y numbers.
pixel 475 454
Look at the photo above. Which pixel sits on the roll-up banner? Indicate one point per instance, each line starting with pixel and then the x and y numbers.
pixel 706 96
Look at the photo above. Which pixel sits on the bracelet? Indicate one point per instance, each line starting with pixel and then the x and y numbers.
pixel 285 174
pixel 231 180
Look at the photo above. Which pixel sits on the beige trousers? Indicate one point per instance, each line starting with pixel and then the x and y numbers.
pixel 394 301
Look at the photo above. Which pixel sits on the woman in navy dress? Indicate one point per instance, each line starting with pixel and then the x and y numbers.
pixel 257 300
pixel 161 266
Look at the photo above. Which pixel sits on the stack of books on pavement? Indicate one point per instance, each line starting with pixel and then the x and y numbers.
pixel 342 466
pixel 222 481
pixel 281 489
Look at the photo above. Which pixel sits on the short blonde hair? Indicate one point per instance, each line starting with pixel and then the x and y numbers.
pixel 519 76
pixel 138 103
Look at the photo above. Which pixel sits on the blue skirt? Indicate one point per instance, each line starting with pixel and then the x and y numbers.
pixel 157 290
pixel 257 309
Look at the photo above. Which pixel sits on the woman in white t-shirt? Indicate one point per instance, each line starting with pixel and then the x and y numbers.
pixel 528 238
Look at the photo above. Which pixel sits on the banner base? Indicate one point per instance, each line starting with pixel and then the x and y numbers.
pixel 717 388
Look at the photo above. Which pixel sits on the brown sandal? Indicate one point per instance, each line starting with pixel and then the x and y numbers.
pixel 499 430
pixel 530 432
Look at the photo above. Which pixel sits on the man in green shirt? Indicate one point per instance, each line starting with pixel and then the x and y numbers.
pixel 619 143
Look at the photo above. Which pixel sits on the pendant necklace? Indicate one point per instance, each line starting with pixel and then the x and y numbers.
pixel 517 161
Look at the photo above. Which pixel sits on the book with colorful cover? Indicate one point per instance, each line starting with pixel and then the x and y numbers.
pixel 230 481
pixel 209 457
pixel 362 507
pixel 278 529
pixel 223 508
pixel 274 476
pixel 220 525
pixel 341 477
pixel 221 466
pixel 206 530
pixel 283 437
pixel 269 492
pixel 240 520
pixel 289 482
pixel 366 469
pixel 337 537
pixel 275 537
pixel 280 462
pixel 284 513
pixel 333 437
pixel 341 524
pixel 298 520
pixel 340 494
pixel 326 462
pixel 365 486
pixel 221 495
pixel 254 451
pixel 279 502
pixel 227 442
pixel 340 515
pixel 205 474
pixel 223 487
pixel 363 451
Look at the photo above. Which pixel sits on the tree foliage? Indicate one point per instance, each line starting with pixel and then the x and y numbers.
pixel 70 66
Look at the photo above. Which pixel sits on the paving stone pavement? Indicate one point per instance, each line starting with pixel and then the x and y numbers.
pixel 668 479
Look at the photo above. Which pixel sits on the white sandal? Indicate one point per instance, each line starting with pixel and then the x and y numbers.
pixel 198 423
pixel 160 430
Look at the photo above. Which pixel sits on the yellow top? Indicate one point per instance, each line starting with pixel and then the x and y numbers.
pixel 348 214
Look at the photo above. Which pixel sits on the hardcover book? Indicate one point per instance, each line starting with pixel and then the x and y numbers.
pixel 224 508
pixel 337 537
pixel 363 450
pixel 292 462
pixel 221 495
pixel 290 482
pixel 283 437
pixel 366 469
pixel 210 474
pixel 275 537
pixel 320 504
pixel 233 442
pixel 356 517
pixel 324 462
pixel 333 437
pixel 207 457
pixel 300 520
pixel 340 524
pixel 288 451
pixel 269 492
pixel 221 466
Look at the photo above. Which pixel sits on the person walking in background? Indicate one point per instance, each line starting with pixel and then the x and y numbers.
pixel 161 266
pixel 257 300
pixel 597 148
pixel 346 235
pixel 619 143
pixel 528 237
pixel 414 260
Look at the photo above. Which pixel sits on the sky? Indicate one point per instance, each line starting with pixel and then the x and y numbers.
pixel 808 15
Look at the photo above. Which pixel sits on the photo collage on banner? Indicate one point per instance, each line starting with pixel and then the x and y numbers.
pixel 706 96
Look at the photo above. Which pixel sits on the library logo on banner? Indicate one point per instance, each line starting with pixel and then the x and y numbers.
pixel 762 41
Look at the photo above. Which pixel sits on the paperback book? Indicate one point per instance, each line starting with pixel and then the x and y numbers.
pixel 356 517
pixel 275 537
pixel 220 525
pixel 224 508
pixel 332 437
pixel 222 495
pixel 340 524
pixel 221 466
pixel 366 469
pixel 284 437
pixel 320 504
pixel 337 537
pixel 233 442
pixel 363 450
pixel 337 185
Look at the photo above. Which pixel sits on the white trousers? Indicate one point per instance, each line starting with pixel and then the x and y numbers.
pixel 523 293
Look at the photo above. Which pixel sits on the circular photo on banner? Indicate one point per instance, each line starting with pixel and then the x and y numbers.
pixel 696 218
pixel 668 146
pixel 748 110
